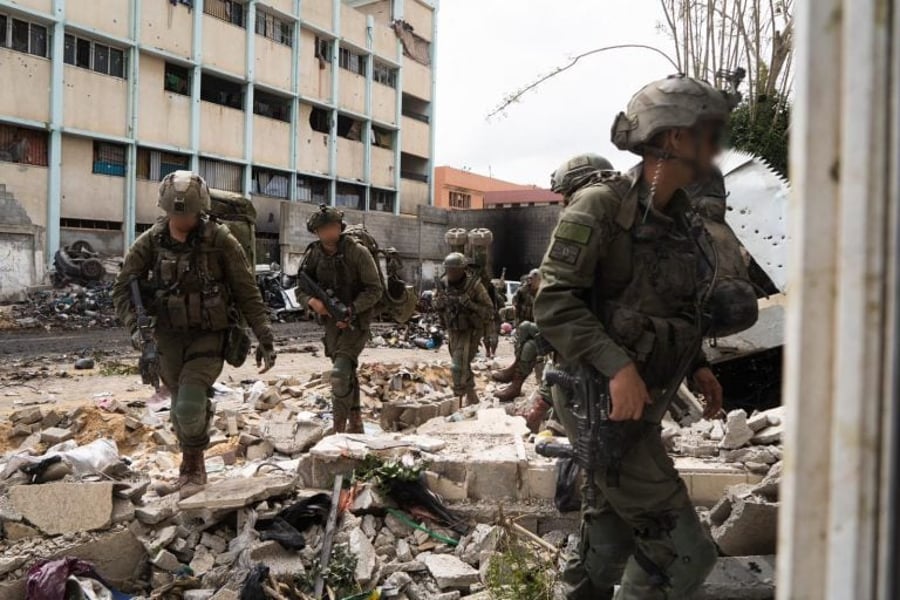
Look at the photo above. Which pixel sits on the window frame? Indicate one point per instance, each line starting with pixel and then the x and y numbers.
pixel 384 74
pixel 73 47
pixel 351 58
pixel 104 154
pixel 274 28
pixel 188 79
pixel 236 18
pixel 31 30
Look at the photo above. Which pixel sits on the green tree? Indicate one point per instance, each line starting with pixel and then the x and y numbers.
pixel 764 133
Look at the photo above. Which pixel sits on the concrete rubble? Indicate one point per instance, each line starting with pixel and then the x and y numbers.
pixel 272 448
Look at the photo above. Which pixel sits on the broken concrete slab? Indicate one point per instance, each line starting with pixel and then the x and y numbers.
pixel 281 562
pixel 238 492
pixel 158 511
pixel 118 556
pixel 449 571
pixel 166 561
pixel 56 435
pixel 740 578
pixel 26 416
pixel 203 561
pixel 488 421
pixel 751 527
pixel 166 438
pixel 737 432
pixel 366 559
pixel 756 454
pixel 292 437
pixel 770 435
pixel 59 508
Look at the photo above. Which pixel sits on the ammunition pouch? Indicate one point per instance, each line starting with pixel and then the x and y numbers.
pixel 732 307
pixel 237 345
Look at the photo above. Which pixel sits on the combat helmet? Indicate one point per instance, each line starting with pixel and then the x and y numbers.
pixel 183 193
pixel 574 172
pixel 455 260
pixel 534 274
pixel 326 214
pixel 672 103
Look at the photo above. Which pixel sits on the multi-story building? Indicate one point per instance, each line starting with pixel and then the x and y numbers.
pixel 458 189
pixel 320 101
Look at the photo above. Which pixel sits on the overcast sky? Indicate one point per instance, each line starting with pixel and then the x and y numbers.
pixel 489 48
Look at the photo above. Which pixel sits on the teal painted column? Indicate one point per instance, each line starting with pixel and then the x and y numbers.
pixel 250 67
pixel 196 77
pixel 295 101
pixel 396 15
pixel 54 159
pixel 134 68
pixel 335 97
pixel 370 79
pixel 431 108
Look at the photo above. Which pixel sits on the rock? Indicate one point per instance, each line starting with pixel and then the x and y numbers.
pixel 58 508
pixel 449 571
pixel 118 556
pixel 483 540
pixel 226 558
pixel 293 437
pixel 164 536
pixel 226 594
pixel 369 526
pixel 737 433
pixel 11 563
pixel 769 435
pixel 234 493
pixel 216 544
pixel 756 467
pixel 698 447
pixel 84 363
pixel 198 594
pixel 368 500
pixel 269 399
pixel 397 527
pixel 404 554
pixel 398 581
pixel 281 562
pixel 203 561
pixel 757 421
pixel 19 531
pixel 717 432
pixel 769 486
pixel 362 548
pixel 51 419
pixel 26 416
pixel 157 512
pixel 122 511
pixel 31 441
pixel 756 454
pixel 55 435
pixel 260 451
pixel 740 578
pixel 166 561
pixel 751 527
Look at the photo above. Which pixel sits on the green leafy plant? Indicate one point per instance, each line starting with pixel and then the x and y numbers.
pixel 517 571
pixel 340 576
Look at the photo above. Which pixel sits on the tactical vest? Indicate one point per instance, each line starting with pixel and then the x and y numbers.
pixel 456 316
pixel 333 273
pixel 189 280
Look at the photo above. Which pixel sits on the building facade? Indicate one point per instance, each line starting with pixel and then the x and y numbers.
pixel 319 101
pixel 458 189
pixel 523 198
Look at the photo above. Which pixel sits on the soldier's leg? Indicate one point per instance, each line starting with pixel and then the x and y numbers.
pixel 457 344
pixel 344 384
pixel 171 361
pixel 191 408
pixel 527 358
pixel 673 554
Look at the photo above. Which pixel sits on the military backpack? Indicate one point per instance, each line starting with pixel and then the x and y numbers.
pixel 238 214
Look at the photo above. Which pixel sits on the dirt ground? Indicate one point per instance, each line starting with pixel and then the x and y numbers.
pixel 38 367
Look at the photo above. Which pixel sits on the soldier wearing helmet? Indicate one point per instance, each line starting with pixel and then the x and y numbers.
pixel 523 299
pixel 465 308
pixel 339 264
pixel 621 299
pixel 576 172
pixel 200 289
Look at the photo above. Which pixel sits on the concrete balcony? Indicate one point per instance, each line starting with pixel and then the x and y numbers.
pixel 31 75
pixel 221 130
pixel 384 103
pixel 224 45
pixel 350 159
pixel 417 79
pixel 383 168
pixel 271 142
pixel 416 137
pixel 412 195
pixel 94 102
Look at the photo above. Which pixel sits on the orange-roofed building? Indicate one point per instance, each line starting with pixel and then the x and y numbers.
pixel 458 189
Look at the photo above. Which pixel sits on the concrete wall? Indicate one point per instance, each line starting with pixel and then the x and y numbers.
pixel 271 142
pixel 268 213
pixel 385 42
pixel 221 130
pixel 353 26
pixel 41 5
pixel 382 167
pixel 21 249
pixel 219 36
pixel 273 63
pixel 412 195
pixel 384 103
pixel 31 75
pixel 420 17
pixel 84 194
pixel 285 6
pixel 312 146
pixel 317 12
pixel 353 91
pixel 105 242
pixel 167 27
pixel 145 207
pixel 416 137
pixel 109 16
pixel 416 79
pixel 164 117
pixel 28 186
pixel 94 102
pixel 350 158
pixel 315 76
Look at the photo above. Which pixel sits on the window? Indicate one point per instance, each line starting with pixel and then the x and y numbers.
pixel 383 138
pixel 415 109
pixel 153 165
pixel 221 91
pixel 270 183
pixel 349 128
pixel 92 55
pixel 177 79
pixel 272 106
pixel 381 200
pixel 323 51
pixel 23 36
pixel 222 175
pixel 460 200
pixel 90 224
pixel 384 74
pixel 356 63
pixel 270 26
pixel 313 190
pixel 227 10
pixel 320 120
pixel 350 196
pixel 109 159
pixel 23 146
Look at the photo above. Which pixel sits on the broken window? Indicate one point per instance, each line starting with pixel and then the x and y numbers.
pixel 415 108
pixel 274 28
pixel 323 51
pixel 313 190
pixel 350 196
pixel 221 91
pixel 4 34
pixel 382 200
pixel 153 165
pixel 88 54
pixel 109 159
pixel 384 74
pixel 222 175
pixel 23 145
pixel 319 120
pixel 414 46
pixel 90 224
pixel 349 128
pixel 383 138
pixel 272 106
pixel 229 11
pixel 177 79
pixel 414 167
pixel 270 183
pixel 351 61
pixel 460 200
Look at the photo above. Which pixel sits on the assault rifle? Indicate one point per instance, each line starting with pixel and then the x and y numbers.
pixel 149 361
pixel 337 309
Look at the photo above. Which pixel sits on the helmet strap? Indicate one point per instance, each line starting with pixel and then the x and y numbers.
pixel 653 184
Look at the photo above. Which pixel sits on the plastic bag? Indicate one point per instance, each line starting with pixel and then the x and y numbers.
pixel 48 580
pixel 568 486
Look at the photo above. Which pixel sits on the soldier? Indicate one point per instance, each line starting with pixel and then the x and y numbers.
pixel 201 285
pixel 576 172
pixel 340 264
pixel 465 307
pixel 529 351
pixel 523 299
pixel 621 294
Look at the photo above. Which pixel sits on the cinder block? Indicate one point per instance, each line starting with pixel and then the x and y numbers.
pixel 539 482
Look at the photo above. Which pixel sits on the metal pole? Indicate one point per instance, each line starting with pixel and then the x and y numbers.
pixel 57 92
pixel 196 78
pixel 250 69
pixel 134 69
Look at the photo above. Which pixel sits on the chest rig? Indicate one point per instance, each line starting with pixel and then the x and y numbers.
pixel 333 272
pixel 189 281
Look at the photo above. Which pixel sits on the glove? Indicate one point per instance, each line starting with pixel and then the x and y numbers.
pixel 137 341
pixel 265 356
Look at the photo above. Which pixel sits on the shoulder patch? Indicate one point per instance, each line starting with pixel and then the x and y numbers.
pixel 565 252
pixel 575 232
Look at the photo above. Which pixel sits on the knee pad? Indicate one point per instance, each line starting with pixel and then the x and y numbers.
pixel 342 377
pixel 192 410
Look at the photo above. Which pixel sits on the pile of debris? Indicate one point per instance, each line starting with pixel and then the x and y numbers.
pixel 70 307
pixel 421 331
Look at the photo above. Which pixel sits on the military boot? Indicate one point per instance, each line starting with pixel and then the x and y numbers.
pixel 340 420
pixel 506 375
pixel 513 390
pixel 535 417
pixel 355 423
pixel 191 475
pixel 470 398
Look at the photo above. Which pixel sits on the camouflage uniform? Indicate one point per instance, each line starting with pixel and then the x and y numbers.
pixel 465 307
pixel 620 286
pixel 352 275
pixel 523 300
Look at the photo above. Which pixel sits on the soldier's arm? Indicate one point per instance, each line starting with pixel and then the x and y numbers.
pixel 138 262
pixel 372 287
pixel 481 303
pixel 439 299
pixel 562 311
pixel 242 284
pixel 308 267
